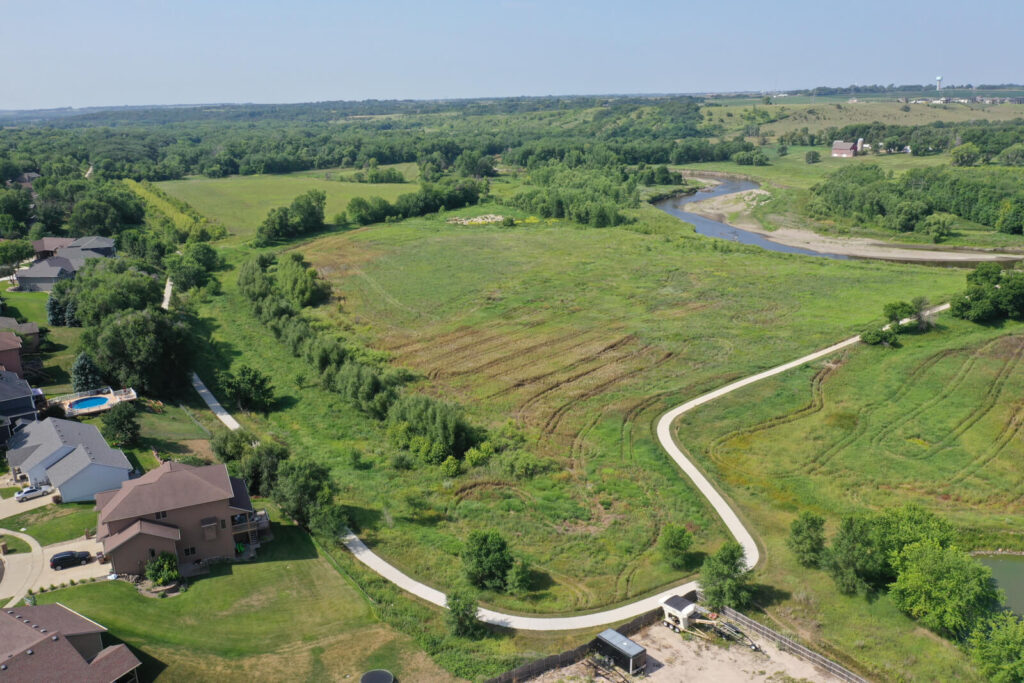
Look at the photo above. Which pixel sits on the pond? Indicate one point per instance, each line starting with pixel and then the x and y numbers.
pixel 1008 571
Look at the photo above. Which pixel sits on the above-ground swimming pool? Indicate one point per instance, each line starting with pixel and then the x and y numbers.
pixel 90 402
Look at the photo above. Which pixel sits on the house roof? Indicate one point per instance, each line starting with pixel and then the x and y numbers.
pixel 13 387
pixel 47 268
pixel 20 328
pixel 839 144
pixel 8 341
pixel 34 647
pixel 77 256
pixel 93 242
pixel 51 243
pixel 142 527
pixel 75 445
pixel 171 486
pixel 240 495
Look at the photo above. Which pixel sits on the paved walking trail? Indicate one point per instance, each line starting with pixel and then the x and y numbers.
pixel 732 521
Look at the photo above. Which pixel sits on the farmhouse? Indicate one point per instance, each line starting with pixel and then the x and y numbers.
pixel 844 149
pixel 71 456
pixel 194 513
pixel 54 643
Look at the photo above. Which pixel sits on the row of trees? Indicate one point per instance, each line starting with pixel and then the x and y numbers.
pixel 305 215
pixel 992 294
pixel 431 198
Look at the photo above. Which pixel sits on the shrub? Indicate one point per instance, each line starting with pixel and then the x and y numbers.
pixel 451 467
pixel 675 542
pixel 162 570
pixel 120 426
pixel 487 559
pixel 807 538
pixel 812 157
pixel 461 616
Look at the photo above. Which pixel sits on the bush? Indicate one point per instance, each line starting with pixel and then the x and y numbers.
pixel 879 335
pixel 807 538
pixel 675 542
pixel 997 647
pixel 487 559
pixel 120 426
pixel 451 467
pixel 162 570
pixel 461 616
pixel 812 157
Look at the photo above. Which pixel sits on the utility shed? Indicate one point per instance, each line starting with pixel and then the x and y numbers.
pixel 626 654
pixel 678 611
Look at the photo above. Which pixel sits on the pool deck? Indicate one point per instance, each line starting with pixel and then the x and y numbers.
pixel 113 398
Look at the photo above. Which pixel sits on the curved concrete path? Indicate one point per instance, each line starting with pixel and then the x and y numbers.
pixel 21 570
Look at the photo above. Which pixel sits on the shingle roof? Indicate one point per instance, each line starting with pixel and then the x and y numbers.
pixel 20 328
pixel 76 446
pixel 142 527
pixel 171 486
pixel 77 256
pixel 8 341
pixel 93 242
pixel 839 144
pixel 13 387
pixel 34 647
pixel 51 267
pixel 51 243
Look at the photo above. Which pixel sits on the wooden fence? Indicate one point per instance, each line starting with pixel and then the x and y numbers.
pixel 570 657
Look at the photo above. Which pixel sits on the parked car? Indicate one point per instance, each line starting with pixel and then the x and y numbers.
pixel 32 492
pixel 69 558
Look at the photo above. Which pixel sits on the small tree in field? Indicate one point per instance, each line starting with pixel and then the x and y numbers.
pixel 120 426
pixel 724 578
pixel 675 542
pixel 807 538
pixel 812 157
pixel 487 559
pixel 461 617
pixel 249 388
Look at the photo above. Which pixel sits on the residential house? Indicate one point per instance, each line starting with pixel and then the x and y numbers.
pixel 844 149
pixel 48 246
pixel 55 643
pixel 29 333
pixel 104 246
pixel 17 403
pixel 10 353
pixel 43 275
pixel 195 513
pixel 68 455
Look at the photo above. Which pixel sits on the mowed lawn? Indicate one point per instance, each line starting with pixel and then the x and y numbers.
pixel 61 346
pixel 287 616
pixel 241 203
pixel 54 523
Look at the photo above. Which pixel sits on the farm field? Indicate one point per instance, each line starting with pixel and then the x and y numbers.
pixel 837 112
pixel 289 615
pixel 517 328
pixel 240 203
pixel 936 423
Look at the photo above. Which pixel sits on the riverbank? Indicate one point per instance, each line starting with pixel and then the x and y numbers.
pixel 736 210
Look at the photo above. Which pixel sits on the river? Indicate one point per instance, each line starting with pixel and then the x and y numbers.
pixel 1008 571
pixel 709 228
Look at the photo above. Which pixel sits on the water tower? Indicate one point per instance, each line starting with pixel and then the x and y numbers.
pixel 938 82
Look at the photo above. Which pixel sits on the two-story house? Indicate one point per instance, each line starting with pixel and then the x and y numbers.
pixel 17 402
pixel 195 513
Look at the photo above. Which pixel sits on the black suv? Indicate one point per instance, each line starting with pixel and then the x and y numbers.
pixel 69 558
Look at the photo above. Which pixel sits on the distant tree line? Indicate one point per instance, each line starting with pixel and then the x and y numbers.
pixel 430 198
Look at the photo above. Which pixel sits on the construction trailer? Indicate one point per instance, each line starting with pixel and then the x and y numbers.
pixel 626 654
pixel 679 612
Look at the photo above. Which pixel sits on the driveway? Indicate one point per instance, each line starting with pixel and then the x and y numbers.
pixel 10 507
pixel 20 569
pixel 31 570
pixel 55 577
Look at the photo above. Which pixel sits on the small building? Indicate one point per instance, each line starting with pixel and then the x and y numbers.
pixel 48 246
pixel 194 513
pixel 55 643
pixel 626 654
pixel 41 276
pixel 10 353
pixel 17 403
pixel 68 455
pixel 29 333
pixel 678 612
pixel 844 149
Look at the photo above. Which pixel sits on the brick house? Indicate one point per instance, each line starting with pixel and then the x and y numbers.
pixel 194 513
pixel 54 643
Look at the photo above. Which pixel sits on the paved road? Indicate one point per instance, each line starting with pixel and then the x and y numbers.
pixel 20 569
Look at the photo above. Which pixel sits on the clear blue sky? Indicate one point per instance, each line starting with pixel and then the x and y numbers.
pixel 100 52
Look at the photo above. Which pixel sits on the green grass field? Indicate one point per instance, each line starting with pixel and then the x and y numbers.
pixel 289 615
pixel 14 545
pixel 241 203
pixel 55 523
pixel 61 346
pixel 936 422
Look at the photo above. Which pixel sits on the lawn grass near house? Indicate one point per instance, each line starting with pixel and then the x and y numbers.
pixel 59 345
pixel 287 616
pixel 55 523
pixel 14 545
pixel 9 491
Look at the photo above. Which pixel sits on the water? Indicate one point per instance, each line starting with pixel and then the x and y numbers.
pixel 709 228
pixel 1008 571
pixel 91 402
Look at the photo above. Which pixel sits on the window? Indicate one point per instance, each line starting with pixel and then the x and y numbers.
pixel 161 515
pixel 152 553
pixel 223 524
pixel 188 552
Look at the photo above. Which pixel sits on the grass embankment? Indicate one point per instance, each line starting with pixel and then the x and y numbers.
pixel 583 337
pixel 936 422
pixel 14 545
pixel 241 203
pixel 289 615
pixel 55 523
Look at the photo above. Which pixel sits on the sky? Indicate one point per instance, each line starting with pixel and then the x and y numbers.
pixel 61 53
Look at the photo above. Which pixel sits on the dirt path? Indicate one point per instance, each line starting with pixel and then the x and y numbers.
pixel 735 210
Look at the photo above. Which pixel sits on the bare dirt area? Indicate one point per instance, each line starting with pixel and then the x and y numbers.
pixel 734 209
pixel 670 658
